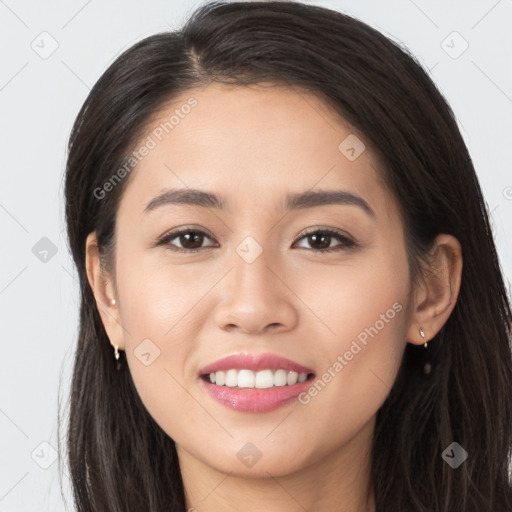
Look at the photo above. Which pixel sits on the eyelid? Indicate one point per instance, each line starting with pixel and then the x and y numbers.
pixel 324 229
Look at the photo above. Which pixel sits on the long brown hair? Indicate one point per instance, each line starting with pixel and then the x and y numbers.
pixel 120 460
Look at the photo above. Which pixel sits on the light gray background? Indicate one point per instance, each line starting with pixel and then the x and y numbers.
pixel 39 99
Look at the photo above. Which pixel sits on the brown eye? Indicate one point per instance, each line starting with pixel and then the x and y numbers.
pixel 321 239
pixel 190 240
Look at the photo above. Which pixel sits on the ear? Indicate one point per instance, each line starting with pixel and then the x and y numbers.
pixel 437 291
pixel 104 292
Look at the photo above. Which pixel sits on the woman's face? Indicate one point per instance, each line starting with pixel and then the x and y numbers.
pixel 258 283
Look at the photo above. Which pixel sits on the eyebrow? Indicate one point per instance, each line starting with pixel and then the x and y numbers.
pixel 308 199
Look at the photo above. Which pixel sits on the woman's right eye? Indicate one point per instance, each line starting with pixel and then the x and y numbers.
pixel 188 243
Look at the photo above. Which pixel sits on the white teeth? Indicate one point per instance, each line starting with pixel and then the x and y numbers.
pixel 263 379
pixel 220 378
pixel 280 378
pixel 292 377
pixel 231 378
pixel 246 379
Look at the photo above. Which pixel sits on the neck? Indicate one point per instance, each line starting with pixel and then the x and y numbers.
pixel 336 482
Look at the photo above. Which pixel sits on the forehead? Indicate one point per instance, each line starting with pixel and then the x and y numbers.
pixel 250 144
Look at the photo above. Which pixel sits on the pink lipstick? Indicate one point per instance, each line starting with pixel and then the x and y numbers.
pixel 255 383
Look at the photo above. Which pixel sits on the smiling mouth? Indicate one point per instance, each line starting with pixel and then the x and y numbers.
pixel 263 379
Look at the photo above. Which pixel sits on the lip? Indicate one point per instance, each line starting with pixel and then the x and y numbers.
pixel 267 361
pixel 253 399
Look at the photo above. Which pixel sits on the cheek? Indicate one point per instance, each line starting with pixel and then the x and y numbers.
pixel 158 298
pixel 159 318
pixel 363 309
pixel 365 300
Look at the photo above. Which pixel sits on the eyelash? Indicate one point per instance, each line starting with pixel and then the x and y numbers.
pixel 347 242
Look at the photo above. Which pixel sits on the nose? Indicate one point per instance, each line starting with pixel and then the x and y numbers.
pixel 256 298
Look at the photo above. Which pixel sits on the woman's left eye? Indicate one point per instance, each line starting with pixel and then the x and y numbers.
pixel 193 243
pixel 318 236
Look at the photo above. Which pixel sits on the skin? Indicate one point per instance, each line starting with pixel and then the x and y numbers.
pixel 253 145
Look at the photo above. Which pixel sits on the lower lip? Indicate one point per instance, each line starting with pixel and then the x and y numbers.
pixel 255 400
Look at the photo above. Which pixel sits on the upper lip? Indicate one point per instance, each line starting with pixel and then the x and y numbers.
pixel 254 363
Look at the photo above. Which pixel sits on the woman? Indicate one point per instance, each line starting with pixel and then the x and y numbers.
pixel 290 294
